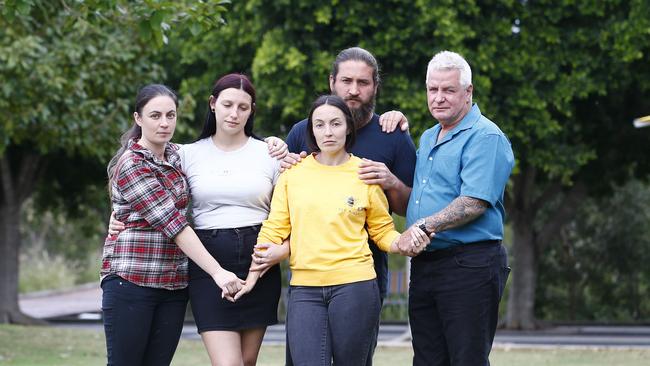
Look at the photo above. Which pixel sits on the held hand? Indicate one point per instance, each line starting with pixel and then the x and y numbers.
pixel 229 283
pixel 413 241
pixel 372 172
pixel 391 119
pixel 266 255
pixel 115 227
pixel 248 287
pixel 277 148
pixel 291 159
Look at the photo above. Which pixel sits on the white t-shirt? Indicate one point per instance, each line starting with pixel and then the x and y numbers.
pixel 229 188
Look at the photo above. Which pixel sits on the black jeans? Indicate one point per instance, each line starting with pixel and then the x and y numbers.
pixel 142 324
pixel 454 299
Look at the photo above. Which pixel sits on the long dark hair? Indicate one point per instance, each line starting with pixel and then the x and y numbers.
pixel 334 101
pixel 146 94
pixel 357 54
pixel 237 81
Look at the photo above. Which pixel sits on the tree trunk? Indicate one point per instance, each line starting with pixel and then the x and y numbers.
pixel 521 298
pixel 15 189
pixel 529 243
pixel 9 250
pixel 521 209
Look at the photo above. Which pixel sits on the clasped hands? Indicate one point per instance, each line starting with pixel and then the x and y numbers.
pixel 265 256
pixel 413 241
pixel 232 287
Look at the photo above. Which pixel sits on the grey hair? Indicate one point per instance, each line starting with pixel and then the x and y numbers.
pixel 447 60
pixel 357 54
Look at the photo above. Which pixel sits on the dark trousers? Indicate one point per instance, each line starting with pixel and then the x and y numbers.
pixel 373 342
pixel 454 299
pixel 142 324
pixel 332 323
pixel 380 259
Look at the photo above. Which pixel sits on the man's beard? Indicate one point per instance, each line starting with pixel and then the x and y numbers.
pixel 362 114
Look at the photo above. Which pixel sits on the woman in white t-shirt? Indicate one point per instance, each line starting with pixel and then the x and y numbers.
pixel 231 175
pixel 231 178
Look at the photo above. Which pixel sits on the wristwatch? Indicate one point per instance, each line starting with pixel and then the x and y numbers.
pixel 422 224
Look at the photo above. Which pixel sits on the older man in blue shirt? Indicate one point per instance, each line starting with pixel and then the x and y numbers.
pixel 463 165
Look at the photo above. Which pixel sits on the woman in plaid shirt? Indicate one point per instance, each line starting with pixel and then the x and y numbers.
pixel 231 174
pixel 144 270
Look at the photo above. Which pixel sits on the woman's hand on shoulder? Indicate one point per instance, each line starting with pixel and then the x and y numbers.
pixel 277 148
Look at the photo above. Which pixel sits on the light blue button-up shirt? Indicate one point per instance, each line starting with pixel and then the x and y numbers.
pixel 474 160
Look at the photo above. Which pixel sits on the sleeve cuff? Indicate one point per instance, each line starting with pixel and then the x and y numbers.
pixel 480 196
pixel 387 240
pixel 175 225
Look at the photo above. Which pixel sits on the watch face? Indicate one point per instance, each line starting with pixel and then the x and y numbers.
pixel 422 224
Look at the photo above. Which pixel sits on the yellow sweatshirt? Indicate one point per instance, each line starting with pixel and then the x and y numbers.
pixel 325 209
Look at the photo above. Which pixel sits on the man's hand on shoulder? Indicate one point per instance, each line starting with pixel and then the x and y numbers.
pixel 372 172
pixel 391 119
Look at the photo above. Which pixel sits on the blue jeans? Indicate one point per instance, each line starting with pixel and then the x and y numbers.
pixel 142 324
pixel 454 299
pixel 380 259
pixel 332 322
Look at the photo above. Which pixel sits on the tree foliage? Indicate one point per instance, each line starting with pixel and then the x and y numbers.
pixel 562 78
pixel 598 269
pixel 69 72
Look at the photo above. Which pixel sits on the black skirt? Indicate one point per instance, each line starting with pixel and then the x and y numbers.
pixel 232 248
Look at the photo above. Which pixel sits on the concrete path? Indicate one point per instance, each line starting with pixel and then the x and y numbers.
pixel 81 307
pixel 84 299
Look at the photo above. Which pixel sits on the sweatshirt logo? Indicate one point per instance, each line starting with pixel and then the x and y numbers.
pixel 352 206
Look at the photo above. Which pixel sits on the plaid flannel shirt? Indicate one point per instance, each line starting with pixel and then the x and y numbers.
pixel 150 197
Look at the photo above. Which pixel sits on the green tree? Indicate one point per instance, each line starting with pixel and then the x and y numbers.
pixel 572 80
pixel 562 78
pixel 69 72
pixel 599 269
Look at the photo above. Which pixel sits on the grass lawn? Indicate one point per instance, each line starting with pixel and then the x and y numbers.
pixel 49 346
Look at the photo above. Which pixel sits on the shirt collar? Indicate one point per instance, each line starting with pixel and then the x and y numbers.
pixel 468 121
pixel 170 148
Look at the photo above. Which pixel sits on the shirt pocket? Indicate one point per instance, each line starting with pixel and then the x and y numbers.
pixel 446 170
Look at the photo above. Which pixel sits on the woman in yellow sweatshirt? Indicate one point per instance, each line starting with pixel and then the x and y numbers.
pixel 329 214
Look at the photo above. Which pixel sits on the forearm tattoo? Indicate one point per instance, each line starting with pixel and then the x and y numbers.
pixel 458 213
